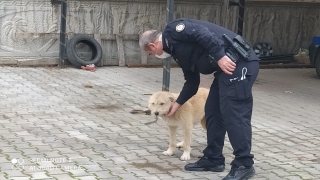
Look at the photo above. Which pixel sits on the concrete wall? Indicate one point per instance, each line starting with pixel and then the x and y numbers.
pixel 29 29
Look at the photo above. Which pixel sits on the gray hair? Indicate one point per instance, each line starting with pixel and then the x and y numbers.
pixel 148 37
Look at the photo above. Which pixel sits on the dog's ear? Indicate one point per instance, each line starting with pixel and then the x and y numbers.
pixel 172 99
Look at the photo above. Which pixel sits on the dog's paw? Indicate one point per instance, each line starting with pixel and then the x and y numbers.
pixel 185 156
pixel 167 153
pixel 179 145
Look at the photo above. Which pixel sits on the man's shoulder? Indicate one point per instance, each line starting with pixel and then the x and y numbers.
pixel 178 25
pixel 178 20
pixel 191 22
pixel 174 23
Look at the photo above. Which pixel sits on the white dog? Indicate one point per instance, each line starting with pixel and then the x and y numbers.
pixel 190 113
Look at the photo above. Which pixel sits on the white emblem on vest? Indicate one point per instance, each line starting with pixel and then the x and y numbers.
pixel 180 27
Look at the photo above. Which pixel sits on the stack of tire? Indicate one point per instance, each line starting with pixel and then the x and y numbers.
pixel 263 50
pixel 75 59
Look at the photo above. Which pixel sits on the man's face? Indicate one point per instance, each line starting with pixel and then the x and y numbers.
pixel 154 48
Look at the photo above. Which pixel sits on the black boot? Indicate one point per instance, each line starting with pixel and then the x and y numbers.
pixel 240 173
pixel 204 164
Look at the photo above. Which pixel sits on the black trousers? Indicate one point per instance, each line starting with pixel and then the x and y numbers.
pixel 229 109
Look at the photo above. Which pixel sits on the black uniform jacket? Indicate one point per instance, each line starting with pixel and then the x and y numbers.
pixel 190 42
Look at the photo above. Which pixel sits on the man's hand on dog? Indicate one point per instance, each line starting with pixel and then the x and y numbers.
pixel 227 65
pixel 174 107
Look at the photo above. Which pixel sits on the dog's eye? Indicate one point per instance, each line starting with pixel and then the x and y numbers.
pixel 152 103
pixel 161 104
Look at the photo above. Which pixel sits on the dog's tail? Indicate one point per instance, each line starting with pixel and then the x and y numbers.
pixel 204 123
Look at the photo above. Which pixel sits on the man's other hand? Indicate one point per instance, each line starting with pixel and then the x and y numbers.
pixel 227 65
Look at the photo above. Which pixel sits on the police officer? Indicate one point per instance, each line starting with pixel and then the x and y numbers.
pixel 199 47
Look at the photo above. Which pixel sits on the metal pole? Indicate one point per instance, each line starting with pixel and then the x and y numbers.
pixel 63 23
pixel 167 61
pixel 241 16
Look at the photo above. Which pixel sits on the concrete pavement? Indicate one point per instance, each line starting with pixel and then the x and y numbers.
pixel 75 124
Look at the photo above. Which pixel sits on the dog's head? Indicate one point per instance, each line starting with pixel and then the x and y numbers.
pixel 160 103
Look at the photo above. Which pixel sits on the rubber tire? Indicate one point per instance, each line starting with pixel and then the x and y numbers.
pixel 89 41
pixel 263 50
pixel 317 64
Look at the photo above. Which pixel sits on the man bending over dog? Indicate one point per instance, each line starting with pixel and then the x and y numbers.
pixel 203 47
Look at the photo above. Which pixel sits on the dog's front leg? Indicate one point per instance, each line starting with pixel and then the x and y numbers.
pixel 172 140
pixel 187 129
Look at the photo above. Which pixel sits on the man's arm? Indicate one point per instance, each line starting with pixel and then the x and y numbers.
pixel 190 87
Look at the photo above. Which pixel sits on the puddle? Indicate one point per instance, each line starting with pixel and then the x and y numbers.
pixel 155 166
pixel 108 107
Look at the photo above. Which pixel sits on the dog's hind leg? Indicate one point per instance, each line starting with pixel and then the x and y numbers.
pixel 179 144
pixel 172 140
pixel 187 129
pixel 204 123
